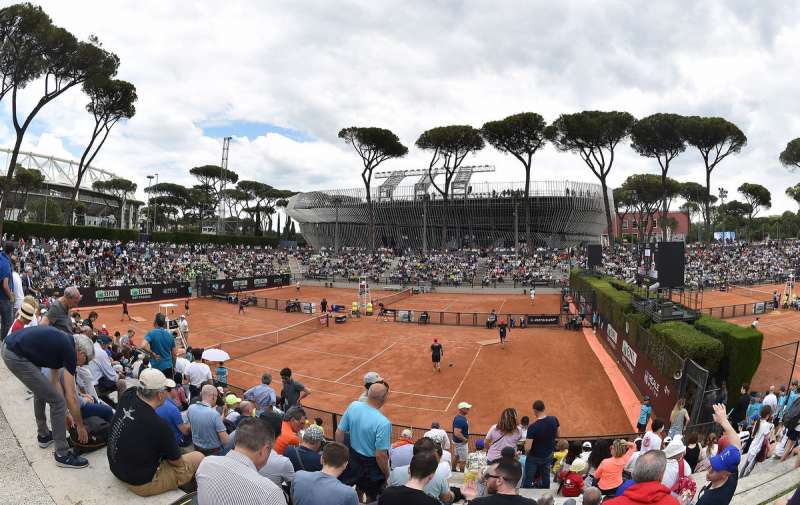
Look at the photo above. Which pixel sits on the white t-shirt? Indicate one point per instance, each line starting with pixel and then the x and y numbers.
pixel 758 440
pixel 19 294
pixel 772 401
pixel 650 442
pixel 671 472
pixel 198 373
pixel 181 364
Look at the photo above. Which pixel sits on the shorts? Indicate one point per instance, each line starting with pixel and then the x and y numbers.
pixel 461 450
pixel 436 359
pixel 364 473
pixel 167 478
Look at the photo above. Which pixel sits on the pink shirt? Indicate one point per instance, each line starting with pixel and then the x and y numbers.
pixel 496 441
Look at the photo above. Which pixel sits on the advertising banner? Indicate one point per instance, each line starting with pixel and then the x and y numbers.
pixel 248 283
pixel 92 296
pixel 545 319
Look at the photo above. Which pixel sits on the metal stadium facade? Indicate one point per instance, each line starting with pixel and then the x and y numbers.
pixel 477 215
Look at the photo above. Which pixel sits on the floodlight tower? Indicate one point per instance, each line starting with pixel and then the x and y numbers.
pixel 226 145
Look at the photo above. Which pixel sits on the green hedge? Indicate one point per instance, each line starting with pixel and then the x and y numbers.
pixel 690 342
pixel 742 351
pixel 22 229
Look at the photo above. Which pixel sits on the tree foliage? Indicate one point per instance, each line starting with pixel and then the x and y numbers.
pixel 119 189
pixel 756 196
pixel 793 192
pixel 790 157
pixel 374 146
pixel 594 136
pixel 642 194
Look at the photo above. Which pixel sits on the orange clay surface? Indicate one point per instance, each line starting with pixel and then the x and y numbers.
pixel 737 295
pixel 553 365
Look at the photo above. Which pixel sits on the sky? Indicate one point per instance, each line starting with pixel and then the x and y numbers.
pixel 282 78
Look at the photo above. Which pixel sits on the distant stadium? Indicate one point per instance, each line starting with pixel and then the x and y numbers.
pixel 476 215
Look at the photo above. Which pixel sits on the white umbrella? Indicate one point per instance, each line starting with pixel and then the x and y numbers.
pixel 216 355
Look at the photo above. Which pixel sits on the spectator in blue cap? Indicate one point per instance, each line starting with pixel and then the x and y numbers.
pixel 723 474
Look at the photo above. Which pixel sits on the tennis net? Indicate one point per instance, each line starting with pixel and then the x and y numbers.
pixel 394 298
pixel 241 347
pixel 755 294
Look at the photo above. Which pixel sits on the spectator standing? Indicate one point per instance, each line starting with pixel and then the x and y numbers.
pixel 306 456
pixel 208 430
pixel 609 473
pixel 540 443
pixel 294 420
pixel 183 326
pixel 441 434
pixel 6 290
pixel 142 451
pixel 58 311
pixel 262 395
pixel 645 411
pixel 501 485
pixel 771 400
pixel 370 439
pixel 292 392
pixel 722 475
pixel 322 487
pixel 647 487
pixel 652 439
pixel 370 378
pixel 739 413
pixel 199 374
pixel 503 434
pixel 26 352
pixel 678 418
pixel 233 479
pixel 461 436
pixel 412 492
pixel 19 293
pixel 161 344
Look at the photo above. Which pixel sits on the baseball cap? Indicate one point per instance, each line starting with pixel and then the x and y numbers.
pixel 372 378
pixel 578 466
pixel 152 378
pixel 232 399
pixel 464 405
pixel 727 460
pixel 313 434
pixel 479 444
pixel 587 445
pixel 170 384
pixel 104 339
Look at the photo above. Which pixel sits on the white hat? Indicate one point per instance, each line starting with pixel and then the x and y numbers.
pixel 372 378
pixel 170 383
pixel 406 433
pixel 674 448
pixel 104 327
pixel 153 378
pixel 464 405
pixel 587 445
pixel 437 436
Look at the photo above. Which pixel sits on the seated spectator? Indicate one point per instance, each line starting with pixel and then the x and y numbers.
pixel 502 479
pixel 306 456
pixel 591 496
pixel 675 460
pixel 418 475
pixel 234 478
pixel 402 450
pixel 322 487
pixel 170 412
pixel 436 487
pixel 476 462
pixel 278 469
pixel 294 420
pixel 572 479
pixel 647 487
pixel 208 430
pixel 104 377
pixel 142 451
pixel 262 395
pixel 609 473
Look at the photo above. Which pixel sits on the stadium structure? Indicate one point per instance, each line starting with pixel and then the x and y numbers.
pixel 60 174
pixel 475 215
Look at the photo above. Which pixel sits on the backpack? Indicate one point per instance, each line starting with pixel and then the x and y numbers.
pixel 791 418
pixel 684 483
pixel 572 485
pixel 98 430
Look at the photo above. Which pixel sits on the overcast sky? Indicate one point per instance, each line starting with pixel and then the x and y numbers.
pixel 283 77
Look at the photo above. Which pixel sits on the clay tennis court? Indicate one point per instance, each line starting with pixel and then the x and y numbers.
pixel 554 365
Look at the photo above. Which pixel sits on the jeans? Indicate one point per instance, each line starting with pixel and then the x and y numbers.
pixel 104 412
pixel 43 394
pixel 6 317
pixel 537 467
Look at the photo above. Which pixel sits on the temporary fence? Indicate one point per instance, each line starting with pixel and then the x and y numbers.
pixel 240 347
pixel 778 367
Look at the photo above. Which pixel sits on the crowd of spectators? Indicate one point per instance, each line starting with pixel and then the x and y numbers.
pixel 349 264
pixel 453 269
pixel 542 267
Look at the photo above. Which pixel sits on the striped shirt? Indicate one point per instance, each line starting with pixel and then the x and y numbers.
pixel 233 480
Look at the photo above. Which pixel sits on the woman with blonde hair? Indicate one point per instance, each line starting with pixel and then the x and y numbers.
pixel 503 434
pixel 679 418
pixel 609 473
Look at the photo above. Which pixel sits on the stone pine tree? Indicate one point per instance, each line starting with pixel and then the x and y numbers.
pixel 757 197
pixel 790 157
pixel 374 146
pixel 520 135
pixel 793 192
pixel 594 136
pixel 120 189
pixel 715 139
pixel 34 50
pixel 449 146
pixel 660 136
pixel 110 100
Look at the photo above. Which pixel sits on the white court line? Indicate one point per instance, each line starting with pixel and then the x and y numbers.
pixel 358 386
pixel 329 353
pixel 365 362
pixel 463 379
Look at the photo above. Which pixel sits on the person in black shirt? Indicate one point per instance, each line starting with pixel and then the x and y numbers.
pixel 142 451
pixel 422 468
pixel 437 353
pixel 25 352
pixel 324 305
pixel 501 485
pixel 740 410
pixel 540 442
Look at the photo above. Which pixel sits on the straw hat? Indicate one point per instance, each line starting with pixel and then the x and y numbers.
pixel 26 312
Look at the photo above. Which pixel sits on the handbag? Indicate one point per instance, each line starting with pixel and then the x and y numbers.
pixel 684 483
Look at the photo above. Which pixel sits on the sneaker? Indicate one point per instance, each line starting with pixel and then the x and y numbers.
pixel 71 460
pixel 45 441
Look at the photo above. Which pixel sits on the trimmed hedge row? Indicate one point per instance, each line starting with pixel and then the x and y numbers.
pixel 742 351
pixel 691 343
pixel 23 229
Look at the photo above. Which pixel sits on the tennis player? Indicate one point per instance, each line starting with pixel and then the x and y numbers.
pixel 502 328
pixel 242 305
pixel 437 353
pixel 125 311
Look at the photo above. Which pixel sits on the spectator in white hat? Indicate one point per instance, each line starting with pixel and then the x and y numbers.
pixel 402 450
pixel 370 378
pixel 586 451
pixel 674 451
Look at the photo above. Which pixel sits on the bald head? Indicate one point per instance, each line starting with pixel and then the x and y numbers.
pixel 246 408
pixel 209 394
pixel 592 496
pixel 377 393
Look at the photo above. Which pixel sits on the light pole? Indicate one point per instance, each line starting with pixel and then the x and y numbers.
pixel 149 207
